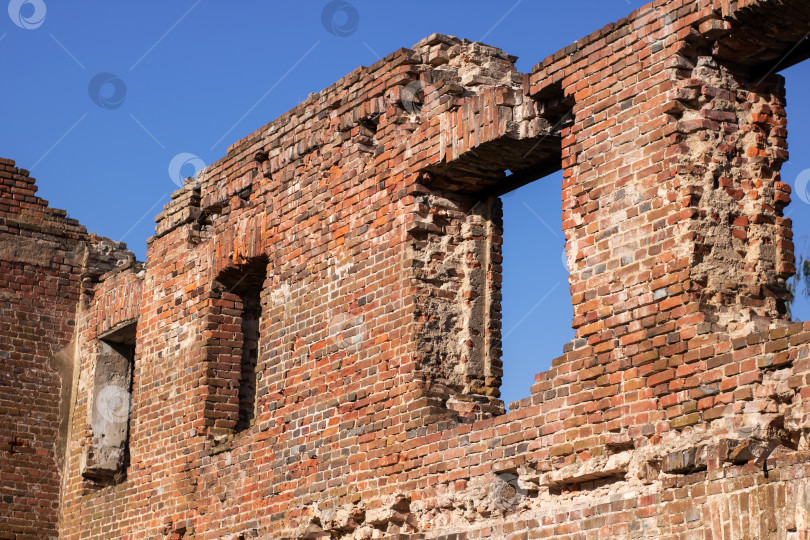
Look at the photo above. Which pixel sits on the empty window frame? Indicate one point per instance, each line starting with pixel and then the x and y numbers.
pixel 106 457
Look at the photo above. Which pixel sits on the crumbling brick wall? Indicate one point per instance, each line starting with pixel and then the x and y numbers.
pixel 45 257
pixel 340 268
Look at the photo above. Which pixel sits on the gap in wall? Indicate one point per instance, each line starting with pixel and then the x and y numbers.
pixel 536 305
pixel 251 317
pixel 796 172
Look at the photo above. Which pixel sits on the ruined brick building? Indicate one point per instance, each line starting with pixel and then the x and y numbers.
pixel 312 347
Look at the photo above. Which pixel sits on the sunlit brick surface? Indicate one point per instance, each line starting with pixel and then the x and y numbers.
pixel 366 223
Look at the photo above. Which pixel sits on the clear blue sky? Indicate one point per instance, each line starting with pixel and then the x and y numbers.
pixel 191 76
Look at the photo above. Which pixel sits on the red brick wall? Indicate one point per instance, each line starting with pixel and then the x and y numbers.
pixel 373 208
pixel 39 289
pixel 43 257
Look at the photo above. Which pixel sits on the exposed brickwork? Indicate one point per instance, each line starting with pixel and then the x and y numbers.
pixel 43 258
pixel 363 229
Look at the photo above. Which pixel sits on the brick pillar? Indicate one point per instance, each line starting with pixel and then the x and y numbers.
pixel 731 143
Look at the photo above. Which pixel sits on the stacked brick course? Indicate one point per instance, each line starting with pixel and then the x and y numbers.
pixel 363 229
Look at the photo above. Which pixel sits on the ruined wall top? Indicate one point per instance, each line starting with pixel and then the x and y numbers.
pixel 365 108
